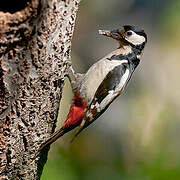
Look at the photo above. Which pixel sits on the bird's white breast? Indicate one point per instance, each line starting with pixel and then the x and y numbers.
pixel 96 74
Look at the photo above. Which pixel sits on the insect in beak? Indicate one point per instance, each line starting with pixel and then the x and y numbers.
pixel 115 34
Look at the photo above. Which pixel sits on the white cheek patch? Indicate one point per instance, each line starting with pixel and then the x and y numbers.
pixel 135 39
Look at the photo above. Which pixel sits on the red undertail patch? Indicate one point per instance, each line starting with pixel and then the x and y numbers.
pixel 76 113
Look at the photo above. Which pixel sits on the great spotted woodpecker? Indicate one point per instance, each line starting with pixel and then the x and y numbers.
pixel 95 90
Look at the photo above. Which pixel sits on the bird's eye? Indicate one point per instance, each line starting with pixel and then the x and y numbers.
pixel 129 33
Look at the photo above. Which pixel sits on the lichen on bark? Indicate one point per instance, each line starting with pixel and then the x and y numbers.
pixel 35 45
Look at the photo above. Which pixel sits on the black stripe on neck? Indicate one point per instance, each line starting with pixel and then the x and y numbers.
pixel 136 48
pixel 131 57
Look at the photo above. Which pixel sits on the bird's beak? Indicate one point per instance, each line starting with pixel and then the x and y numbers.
pixel 115 34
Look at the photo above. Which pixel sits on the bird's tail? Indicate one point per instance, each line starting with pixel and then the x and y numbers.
pixel 52 139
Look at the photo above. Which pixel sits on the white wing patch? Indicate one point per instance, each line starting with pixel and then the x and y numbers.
pixel 90 115
pixel 114 93
pixel 123 80
pixel 95 106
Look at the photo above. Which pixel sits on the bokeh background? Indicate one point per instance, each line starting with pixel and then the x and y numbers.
pixel 138 137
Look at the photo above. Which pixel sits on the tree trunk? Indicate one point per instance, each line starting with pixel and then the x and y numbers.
pixel 35 45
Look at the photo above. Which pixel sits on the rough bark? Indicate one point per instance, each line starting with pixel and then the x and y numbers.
pixel 35 44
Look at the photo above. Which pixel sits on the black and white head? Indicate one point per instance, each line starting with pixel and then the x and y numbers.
pixel 128 35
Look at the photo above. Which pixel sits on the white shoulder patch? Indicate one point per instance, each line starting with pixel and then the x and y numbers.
pixel 123 80
pixel 113 93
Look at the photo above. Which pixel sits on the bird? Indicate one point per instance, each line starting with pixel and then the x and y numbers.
pixel 104 81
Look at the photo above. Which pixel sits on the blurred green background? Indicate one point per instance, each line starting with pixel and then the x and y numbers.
pixel 138 137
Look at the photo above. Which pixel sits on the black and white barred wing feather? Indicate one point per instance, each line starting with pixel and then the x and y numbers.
pixel 111 87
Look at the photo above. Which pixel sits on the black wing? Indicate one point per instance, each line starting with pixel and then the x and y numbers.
pixel 110 83
pixel 108 86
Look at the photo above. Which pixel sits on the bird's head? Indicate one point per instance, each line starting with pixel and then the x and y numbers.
pixel 127 35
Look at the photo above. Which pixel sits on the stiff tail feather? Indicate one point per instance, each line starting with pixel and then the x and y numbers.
pixel 52 139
